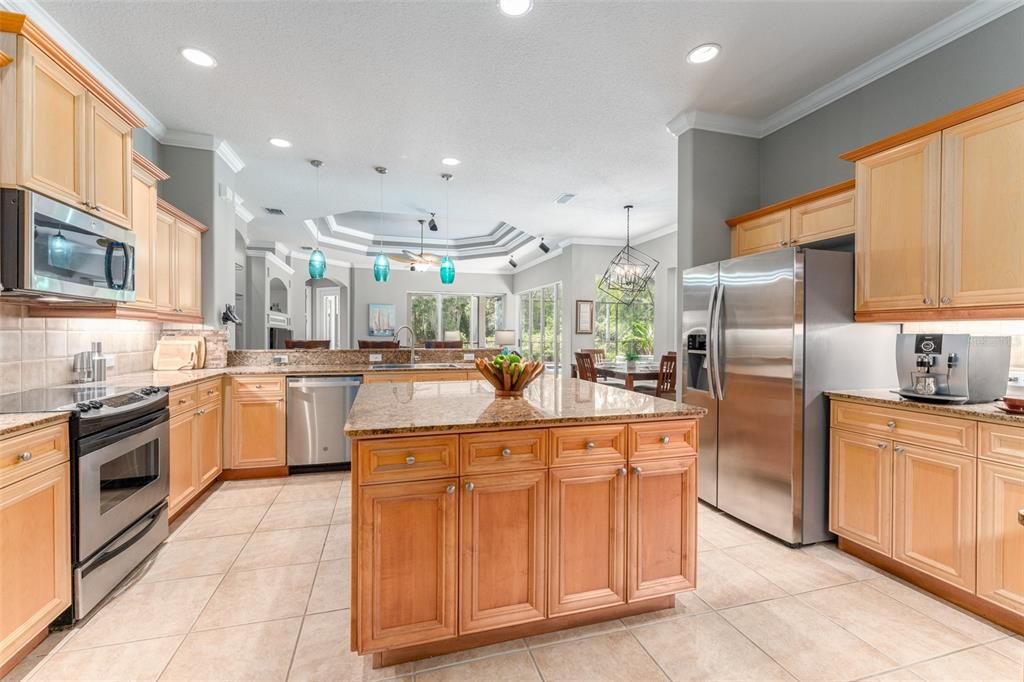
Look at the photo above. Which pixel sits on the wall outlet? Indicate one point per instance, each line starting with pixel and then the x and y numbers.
pixel 376 357
pixel 469 356
pixel 279 360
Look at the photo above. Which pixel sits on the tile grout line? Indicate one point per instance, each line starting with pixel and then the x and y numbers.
pixel 654 660
pixel 907 666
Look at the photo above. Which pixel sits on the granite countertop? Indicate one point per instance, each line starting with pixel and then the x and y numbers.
pixel 391 408
pixel 11 424
pixel 886 398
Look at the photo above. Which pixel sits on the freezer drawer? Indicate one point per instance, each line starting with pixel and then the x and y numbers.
pixel 317 410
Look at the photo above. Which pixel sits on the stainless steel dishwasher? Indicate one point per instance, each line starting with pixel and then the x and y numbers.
pixel 317 410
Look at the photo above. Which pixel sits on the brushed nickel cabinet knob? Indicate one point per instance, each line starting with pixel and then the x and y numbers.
pixel 898 448
pixel 469 486
pixel 927 301
pixel 946 300
pixel 882 446
pixel 451 489
pixel 505 452
pixel 637 470
pixel 589 445
pixel 25 456
pixel 891 424
pixel 410 460
pixel 622 471
pixel 664 440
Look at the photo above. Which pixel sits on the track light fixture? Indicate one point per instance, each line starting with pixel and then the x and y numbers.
pixel 512 261
pixel 431 224
pixel 544 247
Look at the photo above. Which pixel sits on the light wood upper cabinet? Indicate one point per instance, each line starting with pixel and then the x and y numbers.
pixel 257 423
pixel 35 556
pixel 1000 536
pixel 188 269
pixel 831 216
pixel 184 476
pixel 761 234
pixel 983 210
pixel 860 497
pixel 165 294
pixel 503 534
pixel 110 163
pixel 406 566
pixel 586 537
pixel 897 234
pixel 934 513
pixel 143 214
pixel 179 267
pixel 662 513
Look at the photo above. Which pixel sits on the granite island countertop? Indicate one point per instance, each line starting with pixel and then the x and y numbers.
pixel 401 408
pixel 886 398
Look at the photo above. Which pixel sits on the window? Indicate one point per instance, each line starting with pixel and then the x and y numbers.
pixel 473 316
pixel 619 328
pixel 540 323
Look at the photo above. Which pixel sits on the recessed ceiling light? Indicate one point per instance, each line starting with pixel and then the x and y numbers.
pixel 198 57
pixel 515 8
pixel 703 53
pixel 450 161
pixel 279 142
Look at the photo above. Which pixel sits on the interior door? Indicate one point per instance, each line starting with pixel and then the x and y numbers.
pixel 758 407
pixel 700 285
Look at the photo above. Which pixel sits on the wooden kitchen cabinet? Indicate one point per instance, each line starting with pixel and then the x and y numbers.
pixel 860 501
pixel 897 234
pixel 109 155
pixel 35 552
pixel 761 234
pixel 406 573
pixel 179 271
pixel 1000 535
pixel 983 210
pixel 184 474
pixel 209 427
pixel 502 549
pixel 257 422
pixel 196 435
pixel 144 226
pixel 662 513
pixel 934 513
pixel 188 258
pixel 586 537
pixel 165 295
pixel 825 218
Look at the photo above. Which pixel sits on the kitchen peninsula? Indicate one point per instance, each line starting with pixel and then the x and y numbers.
pixel 478 520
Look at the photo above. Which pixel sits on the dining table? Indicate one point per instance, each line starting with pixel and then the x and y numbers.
pixel 626 372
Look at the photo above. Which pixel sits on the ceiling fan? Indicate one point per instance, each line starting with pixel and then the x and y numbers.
pixel 421 258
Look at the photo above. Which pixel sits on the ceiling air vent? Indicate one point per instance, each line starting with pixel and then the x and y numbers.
pixel 273 211
pixel 564 198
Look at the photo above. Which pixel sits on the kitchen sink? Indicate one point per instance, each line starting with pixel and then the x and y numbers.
pixel 418 365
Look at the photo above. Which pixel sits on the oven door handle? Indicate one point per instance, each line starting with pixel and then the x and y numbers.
pixel 104 557
pixel 106 438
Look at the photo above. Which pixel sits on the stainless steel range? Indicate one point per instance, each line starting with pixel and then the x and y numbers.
pixel 119 468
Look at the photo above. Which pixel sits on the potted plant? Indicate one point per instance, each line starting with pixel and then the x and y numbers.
pixel 639 340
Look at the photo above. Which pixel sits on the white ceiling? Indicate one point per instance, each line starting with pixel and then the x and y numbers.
pixel 573 97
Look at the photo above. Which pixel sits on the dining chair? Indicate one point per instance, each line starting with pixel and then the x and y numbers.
pixel 598 353
pixel 666 384
pixel 585 367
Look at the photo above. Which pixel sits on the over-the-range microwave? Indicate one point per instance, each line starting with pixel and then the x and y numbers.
pixel 53 252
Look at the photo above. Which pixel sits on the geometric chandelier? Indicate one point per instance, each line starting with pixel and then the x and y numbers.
pixel 630 272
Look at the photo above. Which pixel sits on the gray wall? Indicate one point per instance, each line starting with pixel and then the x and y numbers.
pixel 146 144
pixel 804 155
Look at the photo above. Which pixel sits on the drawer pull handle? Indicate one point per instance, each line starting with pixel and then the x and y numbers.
pixel 1020 516
pixel 882 446
pixel 622 471
pixel 637 470
pixel 410 460
pixel 469 486
pixel 589 445
pixel 182 401
pixel 927 301
pixel 210 392
pixel 259 385
pixel 664 440
pixel 451 489
pixel 898 448
pixel 505 452
pixel 25 456
pixel 891 424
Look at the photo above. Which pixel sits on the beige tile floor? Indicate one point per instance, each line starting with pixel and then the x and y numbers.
pixel 253 585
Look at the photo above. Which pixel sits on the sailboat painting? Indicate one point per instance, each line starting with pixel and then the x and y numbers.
pixel 382 319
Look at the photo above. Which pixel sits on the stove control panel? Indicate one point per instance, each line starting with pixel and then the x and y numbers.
pixel 114 402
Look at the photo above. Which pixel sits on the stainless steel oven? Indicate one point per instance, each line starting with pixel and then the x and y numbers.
pixel 52 250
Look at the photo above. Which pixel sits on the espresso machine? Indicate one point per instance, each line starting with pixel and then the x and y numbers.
pixel 952 368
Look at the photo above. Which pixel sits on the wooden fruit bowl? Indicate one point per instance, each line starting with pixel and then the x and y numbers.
pixel 510 384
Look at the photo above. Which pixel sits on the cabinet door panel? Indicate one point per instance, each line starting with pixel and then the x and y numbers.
pixel 503 537
pixel 184 479
pixel 406 572
pixel 586 538
pixel 983 210
pixel 761 234
pixel 188 268
pixel 934 513
pixel 35 560
pixel 897 235
pixel 860 491
pixel 257 432
pixel 828 217
pixel 144 227
pixel 1000 536
pixel 164 267
pixel 662 527
pixel 209 439
pixel 110 164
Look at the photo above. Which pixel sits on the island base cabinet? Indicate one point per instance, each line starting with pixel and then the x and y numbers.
pixel 586 538
pixel 503 518
pixel 662 513
pixel 934 513
pixel 860 504
pixel 1000 536
pixel 407 559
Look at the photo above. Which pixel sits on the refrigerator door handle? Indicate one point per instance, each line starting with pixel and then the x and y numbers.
pixel 716 337
pixel 710 357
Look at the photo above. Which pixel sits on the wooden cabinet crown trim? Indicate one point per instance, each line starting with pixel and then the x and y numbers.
pixel 5 59
pixel 148 166
pixel 11 22
pixel 177 213
pixel 951 119
pixel 791 202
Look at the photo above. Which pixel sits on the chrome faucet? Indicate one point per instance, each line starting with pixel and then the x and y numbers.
pixel 412 345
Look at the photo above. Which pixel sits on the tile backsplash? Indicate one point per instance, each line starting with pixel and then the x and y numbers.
pixel 37 352
pixel 1012 328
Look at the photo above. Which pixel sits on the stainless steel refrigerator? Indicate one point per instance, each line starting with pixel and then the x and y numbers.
pixel 763 336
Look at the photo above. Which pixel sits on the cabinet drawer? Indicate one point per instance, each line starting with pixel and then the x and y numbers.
pixel 258 385
pixel 1001 443
pixel 830 216
pixel 503 451
pixel 588 445
pixel 407 459
pixel 181 399
pixel 659 440
pixel 209 391
pixel 32 452
pixel 947 433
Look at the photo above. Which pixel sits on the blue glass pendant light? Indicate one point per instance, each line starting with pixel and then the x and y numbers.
pixel 381 264
pixel 447 270
pixel 58 251
pixel 317 260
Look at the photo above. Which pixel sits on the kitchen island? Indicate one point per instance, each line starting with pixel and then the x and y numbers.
pixel 479 519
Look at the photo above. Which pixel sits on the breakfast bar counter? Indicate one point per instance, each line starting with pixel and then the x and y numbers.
pixel 479 519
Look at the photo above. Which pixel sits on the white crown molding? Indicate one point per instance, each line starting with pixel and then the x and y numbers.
pixel 226 152
pixel 970 18
pixel 241 211
pixel 206 142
